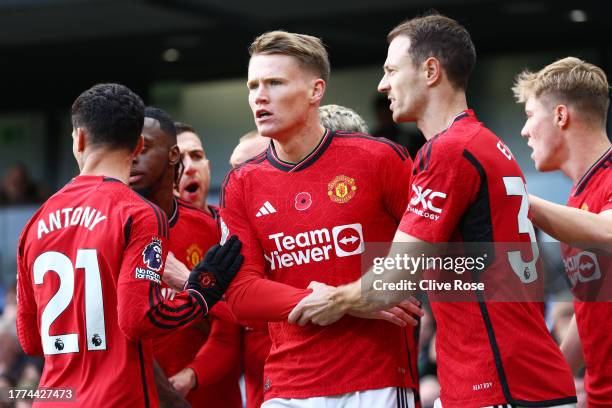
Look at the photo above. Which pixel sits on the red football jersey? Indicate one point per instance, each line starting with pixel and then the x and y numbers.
pixel 467 187
pixel 89 272
pixel 255 349
pixel 210 348
pixel 590 273
pixel 311 222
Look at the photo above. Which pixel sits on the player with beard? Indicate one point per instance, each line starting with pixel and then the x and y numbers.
pixel 466 187
pixel 194 183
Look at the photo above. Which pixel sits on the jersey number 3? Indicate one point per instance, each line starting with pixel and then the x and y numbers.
pixel 526 271
pixel 87 259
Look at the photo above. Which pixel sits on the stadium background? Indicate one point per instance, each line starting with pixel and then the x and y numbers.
pixel 189 57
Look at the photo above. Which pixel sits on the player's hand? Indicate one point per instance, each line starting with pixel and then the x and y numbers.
pixel 317 308
pixel 401 315
pixel 183 381
pixel 210 278
pixel 175 272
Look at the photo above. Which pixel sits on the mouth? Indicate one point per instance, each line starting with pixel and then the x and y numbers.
pixel 192 187
pixel 262 114
pixel 135 178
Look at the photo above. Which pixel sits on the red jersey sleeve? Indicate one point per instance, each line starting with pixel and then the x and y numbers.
pixel 251 296
pixel 219 355
pixel 443 185
pixel 142 310
pixel 27 324
pixel 395 181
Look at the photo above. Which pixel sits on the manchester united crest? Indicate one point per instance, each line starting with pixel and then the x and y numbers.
pixel 341 189
pixel 194 255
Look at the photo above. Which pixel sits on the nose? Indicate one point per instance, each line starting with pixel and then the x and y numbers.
pixel 383 85
pixel 261 95
pixel 525 131
pixel 188 165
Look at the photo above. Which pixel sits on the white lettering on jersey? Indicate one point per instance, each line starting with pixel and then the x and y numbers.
pixel 426 202
pixel 504 149
pixel 66 217
pixel 582 267
pixel 315 245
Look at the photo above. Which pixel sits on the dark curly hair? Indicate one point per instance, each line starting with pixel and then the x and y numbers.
pixel 112 114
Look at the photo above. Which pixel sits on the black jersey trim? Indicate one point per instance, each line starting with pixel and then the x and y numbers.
pixel 471 227
pixel 159 214
pixel 307 161
pixel 545 403
pixel 111 180
pixel 424 154
pixel 189 309
pixel 476 224
pixel 493 342
pixel 127 230
pixel 400 150
pixel 603 162
pixel 143 375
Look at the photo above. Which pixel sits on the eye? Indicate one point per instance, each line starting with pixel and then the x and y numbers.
pixel 275 82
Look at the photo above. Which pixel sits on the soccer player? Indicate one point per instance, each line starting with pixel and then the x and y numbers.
pixel 305 209
pixel 201 361
pixel 90 262
pixel 566 104
pixel 195 179
pixel 336 117
pixel 466 186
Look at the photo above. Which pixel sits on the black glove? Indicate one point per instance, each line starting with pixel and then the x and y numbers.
pixel 210 278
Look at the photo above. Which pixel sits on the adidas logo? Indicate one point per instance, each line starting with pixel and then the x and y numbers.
pixel 266 209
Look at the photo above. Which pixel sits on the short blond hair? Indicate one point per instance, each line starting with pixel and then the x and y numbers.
pixel 308 50
pixel 569 80
pixel 336 117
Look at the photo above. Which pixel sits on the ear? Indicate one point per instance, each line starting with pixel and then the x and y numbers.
pixel 561 116
pixel 80 139
pixel 318 90
pixel 139 146
pixel 433 70
pixel 174 155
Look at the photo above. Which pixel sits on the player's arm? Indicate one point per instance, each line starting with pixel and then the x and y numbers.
pixel 219 355
pixel 27 325
pixel 143 312
pixel 572 225
pixel 456 183
pixel 572 348
pixel 366 295
pixel 251 296
pixel 168 396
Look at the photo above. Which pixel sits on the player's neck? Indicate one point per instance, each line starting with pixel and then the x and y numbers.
pixel 163 197
pixel 108 163
pixel 205 208
pixel 583 153
pixel 440 112
pixel 300 144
